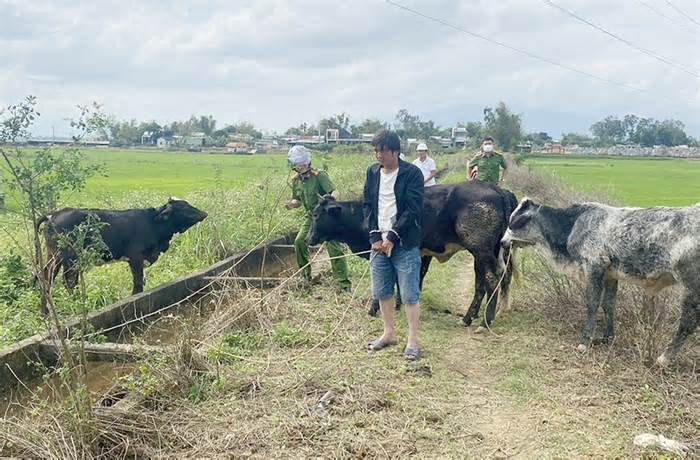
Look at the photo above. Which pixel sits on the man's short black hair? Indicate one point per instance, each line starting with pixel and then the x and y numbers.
pixel 487 138
pixel 389 139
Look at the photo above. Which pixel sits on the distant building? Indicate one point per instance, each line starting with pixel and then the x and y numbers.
pixel 148 138
pixel 195 140
pixel 65 141
pixel 524 147
pixel 165 142
pixel 554 147
pixel 332 135
pixel 459 136
pixel 237 147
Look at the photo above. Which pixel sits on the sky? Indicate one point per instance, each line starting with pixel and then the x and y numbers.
pixel 278 63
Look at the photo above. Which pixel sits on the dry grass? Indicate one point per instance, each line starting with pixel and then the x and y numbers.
pixel 284 373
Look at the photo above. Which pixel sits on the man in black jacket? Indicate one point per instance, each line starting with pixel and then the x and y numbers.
pixel 393 204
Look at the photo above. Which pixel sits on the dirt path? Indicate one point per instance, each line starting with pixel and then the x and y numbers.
pixel 531 395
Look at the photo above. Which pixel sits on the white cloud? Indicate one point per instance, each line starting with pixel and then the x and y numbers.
pixel 278 63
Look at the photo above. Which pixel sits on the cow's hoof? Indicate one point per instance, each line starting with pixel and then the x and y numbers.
pixel 582 348
pixel 481 330
pixel 467 321
pixel 373 308
pixel 663 360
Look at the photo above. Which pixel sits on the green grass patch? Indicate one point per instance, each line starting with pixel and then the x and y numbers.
pixel 632 181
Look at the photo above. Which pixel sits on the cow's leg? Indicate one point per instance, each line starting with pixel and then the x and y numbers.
pixel 70 272
pixel 136 266
pixel 509 256
pixel 479 291
pixel 424 266
pixel 609 302
pixel 689 277
pixel 594 289
pixel 50 272
pixel 397 296
pixel 491 280
pixel 690 317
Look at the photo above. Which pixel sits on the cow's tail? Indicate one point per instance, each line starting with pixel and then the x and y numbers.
pixel 506 256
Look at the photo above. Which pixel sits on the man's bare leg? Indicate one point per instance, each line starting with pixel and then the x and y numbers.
pixel 387 307
pixel 413 319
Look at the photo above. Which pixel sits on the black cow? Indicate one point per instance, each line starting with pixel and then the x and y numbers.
pixel 470 215
pixel 138 236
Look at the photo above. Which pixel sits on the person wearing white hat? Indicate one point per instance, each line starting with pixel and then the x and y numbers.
pixel 308 186
pixel 426 165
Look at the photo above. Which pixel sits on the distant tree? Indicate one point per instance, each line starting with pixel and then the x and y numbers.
pixel 246 128
pixel 369 125
pixel 304 129
pixel 475 132
pixel 629 124
pixel 671 132
pixel 610 131
pixel 124 133
pixel 646 132
pixel 503 125
pixel 412 126
pixel 206 124
pixel 539 138
pixel 577 139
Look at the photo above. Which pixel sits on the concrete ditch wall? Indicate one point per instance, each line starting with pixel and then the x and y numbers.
pixel 26 358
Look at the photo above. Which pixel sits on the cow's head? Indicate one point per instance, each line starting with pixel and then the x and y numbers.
pixel 325 221
pixel 523 229
pixel 179 215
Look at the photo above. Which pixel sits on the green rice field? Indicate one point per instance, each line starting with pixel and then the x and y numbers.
pixel 630 181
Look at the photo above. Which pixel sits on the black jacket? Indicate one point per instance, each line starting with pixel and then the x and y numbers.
pixel 409 191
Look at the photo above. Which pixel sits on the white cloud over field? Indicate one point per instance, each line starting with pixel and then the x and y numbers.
pixel 278 63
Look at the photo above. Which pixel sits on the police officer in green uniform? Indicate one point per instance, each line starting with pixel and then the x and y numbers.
pixel 486 165
pixel 308 185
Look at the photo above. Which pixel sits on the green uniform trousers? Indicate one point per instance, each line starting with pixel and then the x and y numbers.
pixel 338 266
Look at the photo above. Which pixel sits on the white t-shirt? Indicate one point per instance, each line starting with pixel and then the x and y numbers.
pixel 426 168
pixel 386 201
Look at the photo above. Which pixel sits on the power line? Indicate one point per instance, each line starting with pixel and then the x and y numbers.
pixel 513 48
pixel 651 54
pixel 668 18
pixel 683 13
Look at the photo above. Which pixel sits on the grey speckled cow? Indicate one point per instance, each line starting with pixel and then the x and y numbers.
pixel 656 247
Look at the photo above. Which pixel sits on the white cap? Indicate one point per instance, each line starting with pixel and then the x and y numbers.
pixel 299 155
pixel 422 146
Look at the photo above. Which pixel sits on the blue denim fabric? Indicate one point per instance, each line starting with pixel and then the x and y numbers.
pixel 403 264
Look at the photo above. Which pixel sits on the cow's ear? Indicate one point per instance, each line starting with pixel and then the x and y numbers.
pixel 164 213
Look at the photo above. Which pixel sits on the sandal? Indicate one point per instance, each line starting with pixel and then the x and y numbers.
pixel 411 354
pixel 379 344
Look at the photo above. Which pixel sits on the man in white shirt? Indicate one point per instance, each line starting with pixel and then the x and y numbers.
pixel 393 211
pixel 426 165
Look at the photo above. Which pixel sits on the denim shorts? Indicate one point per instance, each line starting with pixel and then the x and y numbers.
pixel 404 266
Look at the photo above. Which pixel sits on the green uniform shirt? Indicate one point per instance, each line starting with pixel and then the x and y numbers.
pixel 489 167
pixel 308 189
